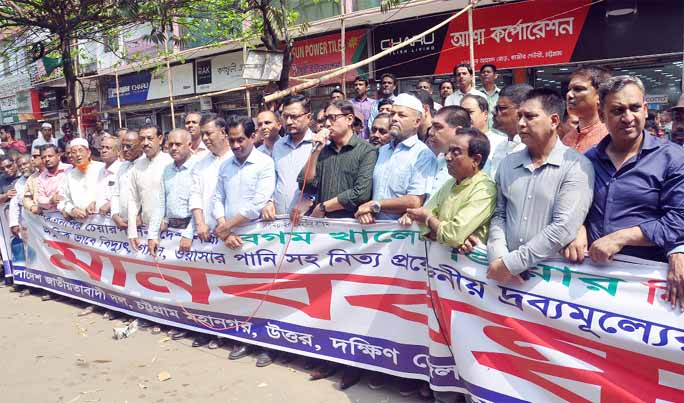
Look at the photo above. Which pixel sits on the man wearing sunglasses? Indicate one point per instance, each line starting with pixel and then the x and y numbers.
pixel 506 121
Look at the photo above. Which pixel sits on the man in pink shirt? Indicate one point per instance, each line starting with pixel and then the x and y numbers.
pixel 49 182
pixel 583 102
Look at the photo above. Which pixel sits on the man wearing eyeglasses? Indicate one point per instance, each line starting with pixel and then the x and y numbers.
pixel 290 154
pixel 506 121
pixel 340 170
pixel 379 131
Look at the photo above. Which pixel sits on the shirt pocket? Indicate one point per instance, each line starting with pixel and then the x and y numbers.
pixel 399 179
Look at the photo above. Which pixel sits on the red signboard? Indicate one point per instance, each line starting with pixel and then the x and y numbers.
pixel 529 33
pixel 324 53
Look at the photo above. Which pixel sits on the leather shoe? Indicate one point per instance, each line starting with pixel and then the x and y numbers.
pixel 350 377
pixel 215 343
pixel 377 380
pixel 179 334
pixel 142 323
pixel 265 358
pixel 201 340
pixel 324 371
pixel 239 351
pixel 409 387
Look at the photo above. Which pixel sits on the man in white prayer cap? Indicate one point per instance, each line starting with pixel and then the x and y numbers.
pixel 81 183
pixel 45 136
pixel 403 174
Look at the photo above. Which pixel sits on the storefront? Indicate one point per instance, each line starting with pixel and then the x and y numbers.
pixel 633 37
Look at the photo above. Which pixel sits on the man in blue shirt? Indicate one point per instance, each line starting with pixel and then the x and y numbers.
pixel 403 174
pixel 173 210
pixel 639 189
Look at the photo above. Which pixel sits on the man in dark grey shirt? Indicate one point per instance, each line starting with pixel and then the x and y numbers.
pixel 544 192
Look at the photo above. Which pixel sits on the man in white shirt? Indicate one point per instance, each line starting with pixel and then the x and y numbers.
pixel 464 81
pixel 478 109
pixel 131 151
pixel 246 182
pixel 443 133
pixel 192 125
pixel 488 77
pixel 506 121
pixel 145 184
pixel 425 84
pixel 268 126
pixel 45 136
pixel 106 183
pixel 81 183
pixel 205 174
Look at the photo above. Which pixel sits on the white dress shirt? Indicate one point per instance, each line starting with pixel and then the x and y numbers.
pixel 121 192
pixel 504 149
pixel 81 188
pixel 204 176
pixel 145 188
pixel 107 183
pixel 457 96
pixel 244 188
pixel 16 203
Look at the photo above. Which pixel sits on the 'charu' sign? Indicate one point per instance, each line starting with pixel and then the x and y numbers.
pixel 572 333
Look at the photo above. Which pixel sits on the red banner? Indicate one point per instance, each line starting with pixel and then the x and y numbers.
pixel 325 53
pixel 530 33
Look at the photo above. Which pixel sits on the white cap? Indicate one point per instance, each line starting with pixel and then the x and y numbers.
pixel 46 125
pixel 79 142
pixel 409 101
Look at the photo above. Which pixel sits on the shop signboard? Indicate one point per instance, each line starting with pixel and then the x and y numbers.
pixel 520 35
pixel 8 110
pixel 50 100
pixel 28 105
pixel 146 85
pixel 222 72
pixel 313 55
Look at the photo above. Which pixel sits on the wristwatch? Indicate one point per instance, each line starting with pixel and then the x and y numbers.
pixel 321 207
pixel 375 207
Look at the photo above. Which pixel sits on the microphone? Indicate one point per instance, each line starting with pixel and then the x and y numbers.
pixel 318 144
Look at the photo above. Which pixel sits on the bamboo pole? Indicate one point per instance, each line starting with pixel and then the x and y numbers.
pixel 118 100
pixel 248 98
pixel 343 45
pixel 169 81
pixel 309 84
pixel 470 40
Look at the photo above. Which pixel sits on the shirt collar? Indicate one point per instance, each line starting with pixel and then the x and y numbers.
pixel 554 158
pixel 408 143
pixel 353 142
pixel 467 181
pixel 650 143
pixel 308 137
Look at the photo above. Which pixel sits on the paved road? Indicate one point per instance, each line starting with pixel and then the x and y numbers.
pixel 49 354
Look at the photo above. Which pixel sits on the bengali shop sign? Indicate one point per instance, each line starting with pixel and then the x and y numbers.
pixel 516 35
pixel 570 333
pixel 323 53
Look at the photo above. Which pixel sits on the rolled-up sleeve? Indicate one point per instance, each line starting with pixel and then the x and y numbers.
pixel 362 190
pixel 422 174
pixel 569 211
pixel 667 231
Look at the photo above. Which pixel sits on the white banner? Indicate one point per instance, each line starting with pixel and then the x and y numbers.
pixel 371 296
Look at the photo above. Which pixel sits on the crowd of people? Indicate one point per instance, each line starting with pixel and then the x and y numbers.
pixel 525 172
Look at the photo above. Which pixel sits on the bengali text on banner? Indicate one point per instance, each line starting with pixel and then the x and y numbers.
pixel 379 297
